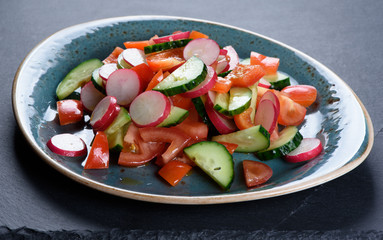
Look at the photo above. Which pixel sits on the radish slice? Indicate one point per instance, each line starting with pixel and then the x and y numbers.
pixel 222 66
pixel 104 113
pixel 266 115
pixel 173 37
pixel 149 109
pixel 203 87
pixel 90 96
pixel 264 83
pixel 222 52
pixel 272 97
pixel 222 124
pixel 106 70
pixel 134 56
pixel 124 85
pixel 308 149
pixel 234 58
pixel 67 145
pixel 204 48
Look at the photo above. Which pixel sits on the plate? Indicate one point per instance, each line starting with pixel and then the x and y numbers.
pixel 338 117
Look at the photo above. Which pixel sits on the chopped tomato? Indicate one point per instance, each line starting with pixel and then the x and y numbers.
pixel 274 135
pixel 222 85
pixel 70 111
pixel 112 58
pixel 291 113
pixel 245 75
pixel 98 157
pixel 243 120
pixel 269 64
pixel 178 140
pixel 195 34
pixel 196 130
pixel 136 152
pixel 157 78
pixel 256 173
pixel 174 171
pixel 145 74
pixel 137 44
pixel 229 146
pixel 305 95
pixel 256 58
pixel 193 115
pixel 181 102
pixel 165 60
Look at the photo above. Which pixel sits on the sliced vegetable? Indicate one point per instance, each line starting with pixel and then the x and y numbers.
pixel 245 75
pixel 305 95
pixel 133 56
pixel 308 149
pixel 98 157
pixel 77 77
pixel 264 83
pixel 223 125
pixel 172 37
pixel 149 109
pixel 221 103
pixel 174 171
pixel 165 60
pixel 204 48
pixel 116 140
pixel 144 73
pixel 229 146
pixel 112 58
pixel 137 44
pixel 122 119
pixel 70 111
pixel 180 101
pixel 90 97
pixel 195 130
pixel 214 159
pixel 176 116
pixel 269 64
pixel 104 113
pixel 68 145
pixel 203 87
pixel 278 80
pixel 234 59
pixel 166 45
pixel 106 70
pixel 291 113
pixel 266 115
pixel 195 34
pixel 256 173
pixel 121 63
pixel 97 81
pixel 239 100
pixel 243 120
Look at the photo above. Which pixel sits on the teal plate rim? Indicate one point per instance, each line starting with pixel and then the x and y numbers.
pixel 20 101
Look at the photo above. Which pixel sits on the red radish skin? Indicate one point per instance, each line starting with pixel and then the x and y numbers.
pixel 124 85
pixel 90 97
pixel 266 115
pixel 106 70
pixel 204 48
pixel 308 149
pixel 203 87
pixel 272 97
pixel 134 56
pixel 104 113
pixel 264 83
pixel 234 58
pixel 222 124
pixel 67 145
pixel 222 66
pixel 149 109
pixel 173 37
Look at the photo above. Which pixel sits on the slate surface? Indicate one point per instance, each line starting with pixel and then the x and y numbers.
pixel 344 35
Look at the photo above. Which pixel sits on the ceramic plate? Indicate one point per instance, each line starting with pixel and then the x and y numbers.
pixel 338 117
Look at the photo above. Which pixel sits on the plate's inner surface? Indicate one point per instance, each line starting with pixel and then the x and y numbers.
pixel 336 117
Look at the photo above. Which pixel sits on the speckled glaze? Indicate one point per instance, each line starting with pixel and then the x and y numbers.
pixel 338 117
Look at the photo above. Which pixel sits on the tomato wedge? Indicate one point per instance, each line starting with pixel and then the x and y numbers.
pixel 245 75
pixel 137 44
pixel 98 157
pixel 229 146
pixel 112 58
pixel 256 173
pixel 305 95
pixel 174 171
pixel 243 120
pixel 181 102
pixel 165 60
pixel 222 85
pixel 291 113
pixel 195 34
pixel 69 111
pixel 269 64
pixel 144 73
pixel 196 130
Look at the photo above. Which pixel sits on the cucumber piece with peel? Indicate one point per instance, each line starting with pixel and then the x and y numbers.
pixel 278 81
pixel 166 45
pixel 239 101
pixel 176 116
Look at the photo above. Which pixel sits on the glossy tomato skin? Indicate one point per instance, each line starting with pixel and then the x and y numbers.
pixel 305 95
pixel 243 120
pixel 174 171
pixel 70 111
pixel 165 60
pixel 256 173
pixel 98 157
pixel 245 75
pixel 291 113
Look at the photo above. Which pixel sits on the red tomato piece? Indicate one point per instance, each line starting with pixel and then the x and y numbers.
pixel 305 95
pixel 70 111
pixel 144 73
pixel 222 85
pixel 243 120
pixel 245 75
pixel 181 102
pixel 112 58
pixel 229 146
pixel 195 34
pixel 270 65
pixel 165 60
pixel 98 157
pixel 291 113
pixel 196 130
pixel 137 44
pixel 256 58
pixel 174 171
pixel 256 173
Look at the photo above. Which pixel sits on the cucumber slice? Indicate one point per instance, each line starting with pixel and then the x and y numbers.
pixel 77 77
pixel 199 104
pixel 116 140
pixel 214 159
pixel 253 103
pixel 278 81
pixel 184 78
pixel 288 140
pixel 239 100
pixel 166 45
pixel 176 116
pixel 248 140
pixel 121 63
pixel 122 118
pixel 221 103
pixel 245 61
pixel 97 81
pixel 224 74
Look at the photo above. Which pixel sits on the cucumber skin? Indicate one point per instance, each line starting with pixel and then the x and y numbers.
pixel 166 45
pixel 282 150
pixel 279 85
pixel 200 107
pixel 239 110
pixel 96 84
pixel 224 74
pixel 171 121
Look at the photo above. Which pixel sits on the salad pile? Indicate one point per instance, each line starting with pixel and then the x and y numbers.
pixel 183 101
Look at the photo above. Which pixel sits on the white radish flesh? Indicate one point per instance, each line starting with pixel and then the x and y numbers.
pixel 234 58
pixel 90 96
pixel 222 124
pixel 272 97
pixel 67 145
pixel 134 56
pixel 266 115
pixel 203 87
pixel 308 149
pixel 173 37
pixel 104 113
pixel 149 109
pixel 264 83
pixel 204 48
pixel 106 70
pixel 124 85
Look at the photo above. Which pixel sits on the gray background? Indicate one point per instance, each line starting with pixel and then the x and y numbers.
pixel 344 35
